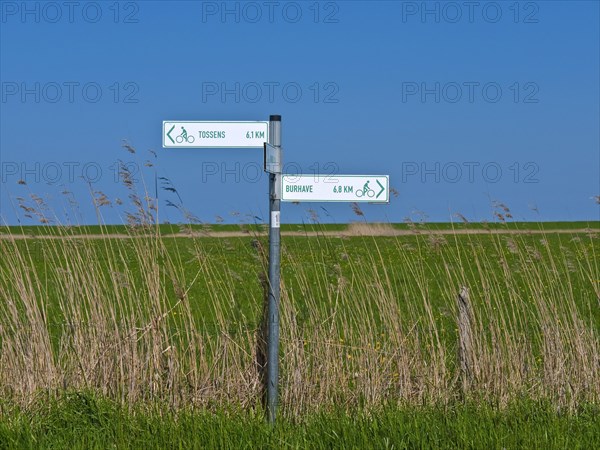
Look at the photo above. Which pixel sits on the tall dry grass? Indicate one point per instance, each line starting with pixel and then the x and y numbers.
pixel 488 323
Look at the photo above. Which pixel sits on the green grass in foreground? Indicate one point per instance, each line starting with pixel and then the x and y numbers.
pixel 84 421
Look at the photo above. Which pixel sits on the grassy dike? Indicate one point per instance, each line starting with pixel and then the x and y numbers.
pixel 251 228
pixel 84 421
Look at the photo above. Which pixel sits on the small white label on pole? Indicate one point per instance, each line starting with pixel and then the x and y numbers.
pixel 275 219
pixel 335 188
pixel 214 134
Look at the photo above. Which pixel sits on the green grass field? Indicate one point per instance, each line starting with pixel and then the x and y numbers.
pixel 235 264
pixel 156 338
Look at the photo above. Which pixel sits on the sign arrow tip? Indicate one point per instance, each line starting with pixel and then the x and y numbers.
pixel 169 134
pixel 382 188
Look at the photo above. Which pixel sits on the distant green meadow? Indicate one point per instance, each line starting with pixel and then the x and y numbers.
pixel 324 258
pixel 33 230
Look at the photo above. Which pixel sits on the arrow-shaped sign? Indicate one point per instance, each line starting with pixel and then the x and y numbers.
pixel 335 188
pixel 214 134
pixel 169 134
pixel 382 189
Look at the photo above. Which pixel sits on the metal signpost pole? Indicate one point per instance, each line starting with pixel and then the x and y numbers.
pixel 274 271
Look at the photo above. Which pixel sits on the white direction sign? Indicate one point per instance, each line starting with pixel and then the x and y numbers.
pixel 214 134
pixel 335 188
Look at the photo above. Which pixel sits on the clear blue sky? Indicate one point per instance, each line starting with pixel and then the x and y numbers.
pixel 461 105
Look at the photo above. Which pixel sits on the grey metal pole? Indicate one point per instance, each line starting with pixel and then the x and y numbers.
pixel 274 273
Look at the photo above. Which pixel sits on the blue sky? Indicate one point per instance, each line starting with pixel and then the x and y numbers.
pixel 460 107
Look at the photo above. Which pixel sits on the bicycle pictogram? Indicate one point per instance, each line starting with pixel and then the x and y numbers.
pixel 184 137
pixel 366 190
